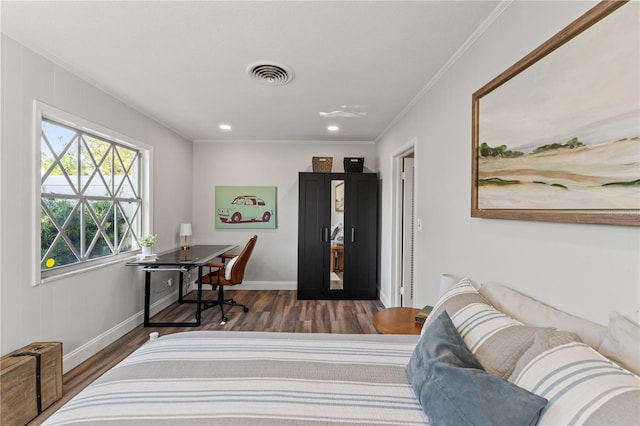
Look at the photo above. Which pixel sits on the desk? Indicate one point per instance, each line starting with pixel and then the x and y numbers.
pixel 397 321
pixel 182 261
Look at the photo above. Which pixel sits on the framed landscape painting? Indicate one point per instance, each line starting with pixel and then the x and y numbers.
pixel 556 137
pixel 245 207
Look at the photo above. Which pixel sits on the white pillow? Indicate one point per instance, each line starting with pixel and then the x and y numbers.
pixel 622 342
pixel 229 268
pixel 533 312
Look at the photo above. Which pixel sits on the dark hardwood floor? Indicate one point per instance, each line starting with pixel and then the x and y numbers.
pixel 269 310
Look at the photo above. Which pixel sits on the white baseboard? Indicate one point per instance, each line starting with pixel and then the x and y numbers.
pixel 384 299
pixel 93 346
pixel 266 285
pixel 260 285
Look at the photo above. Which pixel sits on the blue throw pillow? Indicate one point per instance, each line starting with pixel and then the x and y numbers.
pixel 453 389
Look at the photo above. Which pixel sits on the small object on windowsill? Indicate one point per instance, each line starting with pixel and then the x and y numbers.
pixel 146 257
pixel 421 316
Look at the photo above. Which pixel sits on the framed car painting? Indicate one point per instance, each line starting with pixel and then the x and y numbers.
pixel 245 207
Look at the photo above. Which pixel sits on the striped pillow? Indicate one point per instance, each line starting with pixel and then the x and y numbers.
pixel 582 386
pixel 497 340
pixel 457 297
pixel 493 337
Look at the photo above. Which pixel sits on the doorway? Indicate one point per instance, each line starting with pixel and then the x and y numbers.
pixel 404 226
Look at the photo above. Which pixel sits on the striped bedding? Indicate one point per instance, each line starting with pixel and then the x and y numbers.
pixel 582 386
pixel 232 378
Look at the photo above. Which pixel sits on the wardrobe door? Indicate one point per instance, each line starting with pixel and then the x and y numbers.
pixel 313 212
pixel 361 236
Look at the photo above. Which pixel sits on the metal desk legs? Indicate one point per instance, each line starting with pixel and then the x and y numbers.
pixel 147 301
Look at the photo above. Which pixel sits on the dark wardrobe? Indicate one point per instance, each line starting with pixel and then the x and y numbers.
pixel 338 236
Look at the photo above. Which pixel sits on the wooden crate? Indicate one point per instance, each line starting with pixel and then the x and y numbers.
pixel 18 390
pixel 19 381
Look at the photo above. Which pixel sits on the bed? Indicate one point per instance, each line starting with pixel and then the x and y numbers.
pixel 547 369
pixel 204 377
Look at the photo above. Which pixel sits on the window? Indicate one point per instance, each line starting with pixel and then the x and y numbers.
pixel 91 196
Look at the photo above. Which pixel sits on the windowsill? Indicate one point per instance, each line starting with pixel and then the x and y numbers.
pixel 94 266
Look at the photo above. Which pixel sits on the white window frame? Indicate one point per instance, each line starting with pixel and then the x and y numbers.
pixel 42 110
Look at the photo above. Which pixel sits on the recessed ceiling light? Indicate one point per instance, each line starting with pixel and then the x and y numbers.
pixel 333 128
pixel 225 127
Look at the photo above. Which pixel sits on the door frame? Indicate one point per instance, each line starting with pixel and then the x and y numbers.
pixel 396 232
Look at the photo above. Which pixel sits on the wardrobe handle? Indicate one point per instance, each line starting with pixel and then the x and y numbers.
pixel 353 235
pixel 325 235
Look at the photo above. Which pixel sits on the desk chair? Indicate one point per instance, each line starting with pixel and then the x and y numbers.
pixel 228 272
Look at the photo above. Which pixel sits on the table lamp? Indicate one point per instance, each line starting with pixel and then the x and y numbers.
pixel 448 281
pixel 185 231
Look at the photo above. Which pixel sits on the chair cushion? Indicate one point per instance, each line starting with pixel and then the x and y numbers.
pixel 229 268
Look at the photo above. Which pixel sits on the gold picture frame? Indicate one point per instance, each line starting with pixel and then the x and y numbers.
pixel 556 137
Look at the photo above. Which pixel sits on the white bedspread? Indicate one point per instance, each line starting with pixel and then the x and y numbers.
pixel 217 377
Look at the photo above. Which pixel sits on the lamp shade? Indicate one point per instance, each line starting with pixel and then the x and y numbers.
pixel 447 281
pixel 185 229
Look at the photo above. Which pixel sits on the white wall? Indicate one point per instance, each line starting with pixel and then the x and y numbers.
pixel 89 310
pixel 263 163
pixel 585 269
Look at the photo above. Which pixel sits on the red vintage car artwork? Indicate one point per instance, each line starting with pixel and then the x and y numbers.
pixel 245 208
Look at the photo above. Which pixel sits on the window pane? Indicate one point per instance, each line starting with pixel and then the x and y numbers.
pixel 61 255
pixel 58 183
pixel 106 171
pixel 57 136
pixel 98 149
pixel 48 232
pixel 69 160
pixel 90 229
pixel 73 229
pixel 100 209
pixel 46 158
pixel 123 227
pixel 125 190
pixel 126 243
pixel 125 172
pixel 82 218
pixel 59 209
pixel 129 213
pixel 101 248
pixel 87 173
pixel 96 186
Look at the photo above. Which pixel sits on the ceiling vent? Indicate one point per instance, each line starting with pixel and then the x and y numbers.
pixel 271 74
